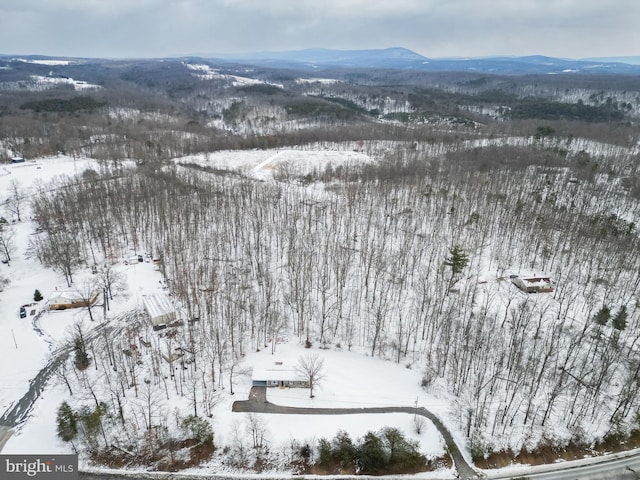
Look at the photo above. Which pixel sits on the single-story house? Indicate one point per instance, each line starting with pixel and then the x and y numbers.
pixel 277 374
pixel 61 300
pixel 160 310
pixel 533 284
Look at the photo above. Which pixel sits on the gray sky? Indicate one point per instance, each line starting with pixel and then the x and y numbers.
pixel 434 28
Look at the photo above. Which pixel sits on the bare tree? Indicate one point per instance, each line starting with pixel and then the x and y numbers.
pixel 311 367
pixel 15 201
pixel 257 429
pixel 59 251
pixel 6 241
pixel 112 282
pixel 62 374
pixel 88 293
pixel 419 424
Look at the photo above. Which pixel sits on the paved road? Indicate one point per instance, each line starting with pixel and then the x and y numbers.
pixel 616 466
pixel 258 403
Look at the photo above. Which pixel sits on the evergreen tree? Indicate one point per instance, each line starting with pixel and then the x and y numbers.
pixel 81 358
pixel 325 457
pixel 544 131
pixel 196 428
pixel 37 296
pixel 67 421
pixel 91 422
pixel 403 454
pixel 343 450
pixel 619 322
pixel 457 260
pixel 602 317
pixel 372 458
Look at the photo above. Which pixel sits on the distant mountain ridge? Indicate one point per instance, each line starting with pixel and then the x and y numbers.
pixel 384 58
pixel 315 59
pixel 403 58
pixel 629 59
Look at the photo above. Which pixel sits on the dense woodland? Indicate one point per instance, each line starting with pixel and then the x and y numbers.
pixel 407 258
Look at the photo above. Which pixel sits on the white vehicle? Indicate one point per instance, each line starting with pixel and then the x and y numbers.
pixel 134 259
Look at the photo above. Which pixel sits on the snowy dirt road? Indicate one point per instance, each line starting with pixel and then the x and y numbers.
pixel 18 412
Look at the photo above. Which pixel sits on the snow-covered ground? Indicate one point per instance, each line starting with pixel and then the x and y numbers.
pixel 205 72
pixel 262 163
pixel 352 379
pixel 25 349
pixel 39 83
pixel 51 61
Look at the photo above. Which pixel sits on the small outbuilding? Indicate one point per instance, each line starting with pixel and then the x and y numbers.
pixel 160 309
pixel 533 284
pixel 61 300
pixel 277 374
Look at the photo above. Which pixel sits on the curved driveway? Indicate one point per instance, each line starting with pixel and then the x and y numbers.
pixel 258 403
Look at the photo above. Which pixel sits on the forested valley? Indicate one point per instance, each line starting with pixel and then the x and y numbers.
pixel 474 180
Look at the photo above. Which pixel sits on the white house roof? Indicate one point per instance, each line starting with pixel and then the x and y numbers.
pixel 537 281
pixel 276 372
pixel 158 305
pixel 64 295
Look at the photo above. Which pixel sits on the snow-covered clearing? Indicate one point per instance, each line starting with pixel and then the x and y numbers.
pixel 51 62
pixel 262 163
pixel 205 72
pixel 324 81
pixel 40 83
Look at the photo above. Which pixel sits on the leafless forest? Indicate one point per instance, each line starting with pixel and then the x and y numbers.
pixel 359 257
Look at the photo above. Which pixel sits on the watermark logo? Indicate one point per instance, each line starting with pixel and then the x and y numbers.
pixel 50 467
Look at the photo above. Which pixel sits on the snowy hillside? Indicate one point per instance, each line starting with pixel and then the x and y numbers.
pixel 256 266
pixel 39 337
pixel 456 253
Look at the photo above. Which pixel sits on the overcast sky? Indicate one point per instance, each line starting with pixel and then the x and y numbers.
pixel 434 28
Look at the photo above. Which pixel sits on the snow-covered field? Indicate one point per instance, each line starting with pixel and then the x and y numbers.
pixel 262 163
pixel 39 83
pixel 352 379
pixel 205 72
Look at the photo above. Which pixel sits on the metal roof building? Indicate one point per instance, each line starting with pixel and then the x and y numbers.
pixel 160 309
